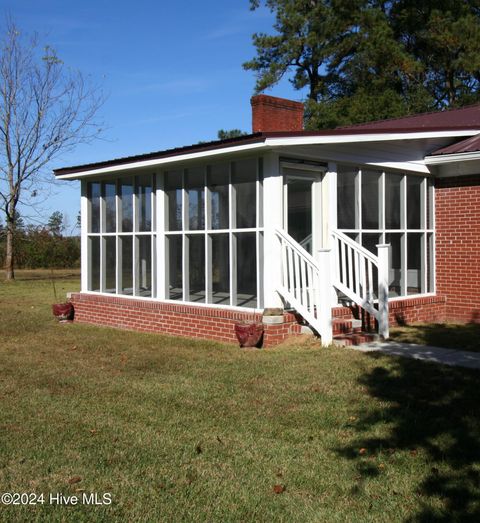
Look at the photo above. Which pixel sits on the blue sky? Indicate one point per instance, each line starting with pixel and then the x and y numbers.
pixel 172 71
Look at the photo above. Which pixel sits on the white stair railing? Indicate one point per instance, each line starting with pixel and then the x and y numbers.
pixel 305 284
pixel 359 273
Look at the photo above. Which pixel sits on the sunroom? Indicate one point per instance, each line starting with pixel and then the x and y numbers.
pixel 292 220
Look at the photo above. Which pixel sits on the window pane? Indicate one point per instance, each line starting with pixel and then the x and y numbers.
pixel 346 201
pixel 220 269
pixel 94 248
pixel 299 196
pixel 246 269
pixel 144 269
pixel 393 201
pixel 414 202
pixel 110 264
pixel 126 248
pixel 126 205
pixel 414 261
pixel 370 242
pixel 94 197
pixel 144 193
pixel 174 257
pixel 370 200
pixel 196 204
pixel 218 186
pixel 109 190
pixel 196 266
pixel 395 264
pixel 173 191
pixel 244 182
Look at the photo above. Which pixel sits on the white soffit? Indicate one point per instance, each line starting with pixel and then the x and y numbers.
pixel 268 144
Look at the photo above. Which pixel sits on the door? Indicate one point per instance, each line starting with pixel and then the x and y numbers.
pixel 299 209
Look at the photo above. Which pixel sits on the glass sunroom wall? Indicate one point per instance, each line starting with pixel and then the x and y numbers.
pixel 213 250
pixel 121 235
pixel 394 208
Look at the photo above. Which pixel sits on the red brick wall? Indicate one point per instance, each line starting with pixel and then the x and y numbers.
pixel 178 320
pixel 457 212
pixel 270 113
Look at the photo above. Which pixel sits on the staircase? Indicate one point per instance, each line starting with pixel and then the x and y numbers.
pixel 358 276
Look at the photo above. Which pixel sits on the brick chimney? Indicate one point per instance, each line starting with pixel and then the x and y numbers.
pixel 270 113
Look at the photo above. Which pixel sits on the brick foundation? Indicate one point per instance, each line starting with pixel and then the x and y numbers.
pixel 457 212
pixel 178 320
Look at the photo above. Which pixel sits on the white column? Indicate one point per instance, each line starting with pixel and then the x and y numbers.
pixel 329 214
pixel 273 219
pixel 383 329
pixel 323 299
pixel 84 219
pixel 160 214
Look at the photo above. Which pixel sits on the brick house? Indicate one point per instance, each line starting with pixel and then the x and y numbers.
pixel 378 221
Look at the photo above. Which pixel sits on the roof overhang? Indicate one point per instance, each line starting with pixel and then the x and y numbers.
pixel 443 159
pixel 265 144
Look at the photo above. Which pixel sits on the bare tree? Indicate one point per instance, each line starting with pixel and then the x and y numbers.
pixel 45 109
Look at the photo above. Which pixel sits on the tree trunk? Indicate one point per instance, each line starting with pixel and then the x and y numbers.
pixel 9 270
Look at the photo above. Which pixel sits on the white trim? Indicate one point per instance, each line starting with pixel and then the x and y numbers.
pixel 267 144
pixel 175 302
pixel 452 158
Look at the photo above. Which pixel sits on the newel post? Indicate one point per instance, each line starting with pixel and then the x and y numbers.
pixel 383 329
pixel 323 299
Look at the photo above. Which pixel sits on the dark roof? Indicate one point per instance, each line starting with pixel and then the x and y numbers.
pixel 453 119
pixel 450 119
pixel 470 145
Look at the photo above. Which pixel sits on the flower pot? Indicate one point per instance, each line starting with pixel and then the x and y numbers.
pixel 63 311
pixel 249 334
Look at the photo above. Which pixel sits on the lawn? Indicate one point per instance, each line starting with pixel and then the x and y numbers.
pixel 182 430
pixel 448 335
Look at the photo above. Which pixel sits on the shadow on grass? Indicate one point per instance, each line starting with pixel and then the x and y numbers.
pixel 430 416
pixel 449 335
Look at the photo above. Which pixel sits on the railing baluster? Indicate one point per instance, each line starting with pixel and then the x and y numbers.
pixel 311 290
pixel 284 265
pixel 343 279
pixel 303 283
pixel 297 277
pixel 363 277
pixel 356 256
pixel 370 282
pixel 291 282
pixel 350 267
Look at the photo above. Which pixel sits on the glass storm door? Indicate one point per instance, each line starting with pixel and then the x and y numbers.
pixel 299 209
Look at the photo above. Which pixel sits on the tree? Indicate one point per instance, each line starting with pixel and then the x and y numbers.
pixel 55 223
pixel 232 133
pixel 361 60
pixel 45 109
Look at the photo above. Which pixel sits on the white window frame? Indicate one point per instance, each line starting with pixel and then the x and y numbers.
pixel 209 232
pixel 427 226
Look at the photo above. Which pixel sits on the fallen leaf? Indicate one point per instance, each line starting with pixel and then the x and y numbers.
pixel 362 451
pixel 381 466
pixel 74 479
pixel 279 489
pixel 352 418
pixel 93 431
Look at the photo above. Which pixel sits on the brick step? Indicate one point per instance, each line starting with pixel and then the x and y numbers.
pixel 346 326
pixel 355 338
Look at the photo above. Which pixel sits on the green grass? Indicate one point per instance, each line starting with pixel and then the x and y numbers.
pixel 449 335
pixel 181 430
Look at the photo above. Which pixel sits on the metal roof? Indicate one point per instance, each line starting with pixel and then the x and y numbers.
pixel 470 145
pixel 465 118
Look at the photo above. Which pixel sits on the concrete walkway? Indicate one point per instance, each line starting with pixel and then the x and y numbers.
pixel 456 358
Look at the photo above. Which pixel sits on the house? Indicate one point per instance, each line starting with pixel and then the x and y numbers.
pixel 379 221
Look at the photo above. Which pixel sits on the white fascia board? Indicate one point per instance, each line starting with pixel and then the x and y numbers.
pixel 452 158
pixel 268 144
pixel 358 138
pixel 159 161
